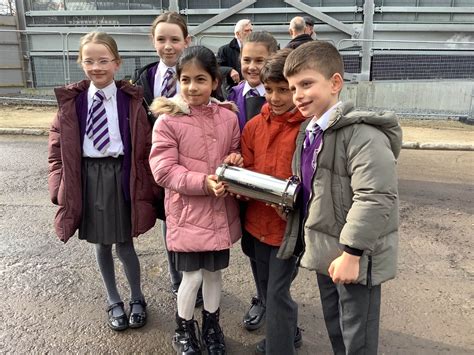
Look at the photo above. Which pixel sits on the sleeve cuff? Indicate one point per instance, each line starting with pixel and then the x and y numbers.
pixel 352 251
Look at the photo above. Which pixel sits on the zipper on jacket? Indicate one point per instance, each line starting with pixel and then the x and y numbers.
pixel 140 82
pixel 133 164
pixel 369 272
pixel 305 208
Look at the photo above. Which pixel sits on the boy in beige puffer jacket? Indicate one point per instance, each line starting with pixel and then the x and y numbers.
pixel 347 163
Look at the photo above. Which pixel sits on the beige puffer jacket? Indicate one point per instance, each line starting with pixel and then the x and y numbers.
pixel 354 199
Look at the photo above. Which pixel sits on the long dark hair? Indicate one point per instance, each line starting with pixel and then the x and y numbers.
pixel 205 59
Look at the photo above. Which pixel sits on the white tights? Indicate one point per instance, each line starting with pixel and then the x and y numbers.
pixel 211 291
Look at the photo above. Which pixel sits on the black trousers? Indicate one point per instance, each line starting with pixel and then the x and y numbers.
pixel 275 277
pixel 352 316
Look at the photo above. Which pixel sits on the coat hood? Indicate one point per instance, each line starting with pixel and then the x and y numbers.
pixel 386 121
pixel 177 106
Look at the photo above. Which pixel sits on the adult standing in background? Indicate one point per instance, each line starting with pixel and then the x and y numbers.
pixel 298 32
pixel 309 22
pixel 229 54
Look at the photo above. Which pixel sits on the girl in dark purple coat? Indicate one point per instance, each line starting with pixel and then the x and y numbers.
pixel 99 174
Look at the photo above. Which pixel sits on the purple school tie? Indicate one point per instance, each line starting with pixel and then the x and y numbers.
pixel 310 135
pixel 252 93
pixel 168 87
pixel 311 147
pixel 97 127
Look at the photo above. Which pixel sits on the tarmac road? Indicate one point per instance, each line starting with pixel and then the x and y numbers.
pixel 53 299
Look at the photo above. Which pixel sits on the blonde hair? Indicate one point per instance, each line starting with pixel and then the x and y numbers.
pixel 100 38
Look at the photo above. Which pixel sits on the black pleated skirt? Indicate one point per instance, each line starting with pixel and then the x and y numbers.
pixel 106 216
pixel 209 260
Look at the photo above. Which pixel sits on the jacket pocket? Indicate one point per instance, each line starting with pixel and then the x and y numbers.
pixel 175 207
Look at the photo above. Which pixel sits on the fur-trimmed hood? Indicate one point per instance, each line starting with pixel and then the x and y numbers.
pixel 177 106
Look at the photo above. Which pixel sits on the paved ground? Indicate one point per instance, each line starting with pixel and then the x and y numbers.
pixel 53 299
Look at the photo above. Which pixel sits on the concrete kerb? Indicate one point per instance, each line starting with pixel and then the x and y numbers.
pixel 405 145
pixel 24 131
pixel 437 146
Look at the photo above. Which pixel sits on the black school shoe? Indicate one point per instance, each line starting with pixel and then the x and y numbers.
pixel 260 348
pixel 137 320
pixel 117 323
pixel 255 316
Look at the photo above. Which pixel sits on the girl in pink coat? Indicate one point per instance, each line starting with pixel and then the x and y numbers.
pixel 192 136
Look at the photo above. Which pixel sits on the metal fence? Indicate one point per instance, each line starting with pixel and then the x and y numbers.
pixel 56 64
pixel 411 59
pixel 416 71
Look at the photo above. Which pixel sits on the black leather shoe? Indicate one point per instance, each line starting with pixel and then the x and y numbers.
pixel 137 320
pixel 212 335
pixel 255 316
pixel 260 348
pixel 117 323
pixel 199 299
pixel 187 339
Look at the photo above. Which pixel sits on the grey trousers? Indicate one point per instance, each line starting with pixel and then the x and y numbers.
pixel 175 275
pixel 352 316
pixel 275 277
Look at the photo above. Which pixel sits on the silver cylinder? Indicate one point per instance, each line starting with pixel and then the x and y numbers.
pixel 259 186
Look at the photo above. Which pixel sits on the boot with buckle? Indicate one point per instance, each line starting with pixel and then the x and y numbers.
pixel 187 337
pixel 255 316
pixel 212 336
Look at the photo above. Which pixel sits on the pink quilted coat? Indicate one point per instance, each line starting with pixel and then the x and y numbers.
pixel 189 142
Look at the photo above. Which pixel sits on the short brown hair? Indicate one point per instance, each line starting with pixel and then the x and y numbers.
pixel 100 38
pixel 317 55
pixel 264 38
pixel 273 67
pixel 170 17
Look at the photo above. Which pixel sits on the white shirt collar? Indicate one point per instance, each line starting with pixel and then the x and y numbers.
pixel 109 91
pixel 322 121
pixel 260 88
pixel 162 68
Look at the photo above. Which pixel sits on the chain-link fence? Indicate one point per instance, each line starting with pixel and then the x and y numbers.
pixel 412 77
pixel 54 62
pixel 411 59
pixel 418 77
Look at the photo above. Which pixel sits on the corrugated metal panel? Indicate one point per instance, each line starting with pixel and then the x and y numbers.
pixel 11 71
pixel 10 55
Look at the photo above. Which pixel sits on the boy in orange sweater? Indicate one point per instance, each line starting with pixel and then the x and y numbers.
pixel 268 144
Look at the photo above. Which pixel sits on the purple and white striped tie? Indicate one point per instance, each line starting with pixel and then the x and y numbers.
pixel 168 88
pixel 97 127
pixel 252 93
